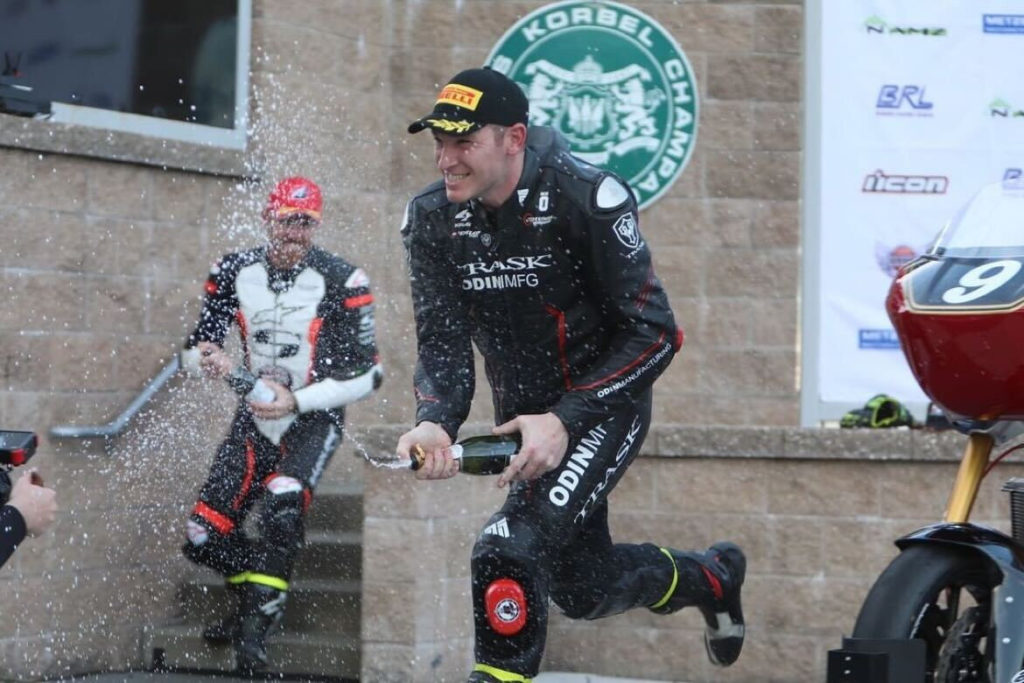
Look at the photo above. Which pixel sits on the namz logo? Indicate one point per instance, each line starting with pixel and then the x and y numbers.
pixel 876 26
pixel 902 100
pixel 905 184
pixel 1001 109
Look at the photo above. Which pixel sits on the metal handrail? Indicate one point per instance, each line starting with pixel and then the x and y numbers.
pixel 117 425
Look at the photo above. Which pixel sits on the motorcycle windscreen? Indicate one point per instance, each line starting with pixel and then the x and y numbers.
pixel 959 310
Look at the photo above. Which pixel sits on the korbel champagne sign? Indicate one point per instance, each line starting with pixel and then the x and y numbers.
pixel 613 81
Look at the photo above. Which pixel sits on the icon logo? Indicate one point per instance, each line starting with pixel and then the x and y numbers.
pixel 613 81
pixel 902 100
pixel 905 184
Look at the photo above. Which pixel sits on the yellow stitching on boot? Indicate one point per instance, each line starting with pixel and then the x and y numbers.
pixel 675 580
pixel 501 674
pixel 267 580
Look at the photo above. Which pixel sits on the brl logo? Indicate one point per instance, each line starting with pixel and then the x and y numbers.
pixel 902 100
pixel 613 82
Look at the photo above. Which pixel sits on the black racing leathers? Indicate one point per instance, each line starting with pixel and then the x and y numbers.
pixel 12 531
pixel 312 328
pixel 556 288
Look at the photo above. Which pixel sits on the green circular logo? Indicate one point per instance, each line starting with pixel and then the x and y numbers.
pixel 613 81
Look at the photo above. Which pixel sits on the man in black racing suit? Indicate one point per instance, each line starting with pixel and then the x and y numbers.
pixel 305 317
pixel 536 256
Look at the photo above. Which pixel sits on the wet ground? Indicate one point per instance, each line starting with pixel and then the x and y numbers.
pixel 137 677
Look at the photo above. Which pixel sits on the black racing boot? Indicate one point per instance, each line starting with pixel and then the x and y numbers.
pixel 260 612
pixel 711 581
pixel 223 632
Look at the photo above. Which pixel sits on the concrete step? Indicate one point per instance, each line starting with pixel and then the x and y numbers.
pixel 181 647
pixel 314 606
pixel 331 555
pixel 336 507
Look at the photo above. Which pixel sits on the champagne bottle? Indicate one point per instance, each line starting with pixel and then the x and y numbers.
pixel 485 454
pixel 247 384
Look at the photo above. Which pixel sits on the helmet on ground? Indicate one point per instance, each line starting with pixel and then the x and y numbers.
pixel 295 195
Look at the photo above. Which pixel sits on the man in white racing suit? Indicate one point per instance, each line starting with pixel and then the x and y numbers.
pixel 305 318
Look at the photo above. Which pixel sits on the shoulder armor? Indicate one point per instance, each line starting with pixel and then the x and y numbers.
pixel 610 194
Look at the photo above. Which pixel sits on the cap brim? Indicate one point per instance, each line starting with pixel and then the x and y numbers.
pixel 443 125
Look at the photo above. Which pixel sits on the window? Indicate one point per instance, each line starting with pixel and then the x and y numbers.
pixel 173 70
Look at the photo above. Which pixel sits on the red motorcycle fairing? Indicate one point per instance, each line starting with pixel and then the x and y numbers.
pixel 960 321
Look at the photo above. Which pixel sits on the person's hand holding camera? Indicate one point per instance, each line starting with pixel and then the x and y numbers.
pixel 36 503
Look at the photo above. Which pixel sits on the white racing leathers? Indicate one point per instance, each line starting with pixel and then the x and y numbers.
pixel 312 329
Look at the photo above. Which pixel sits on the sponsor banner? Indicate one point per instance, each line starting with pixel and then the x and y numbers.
pixel 921 104
pixel 613 81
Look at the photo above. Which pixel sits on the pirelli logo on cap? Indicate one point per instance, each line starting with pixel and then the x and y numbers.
pixel 460 96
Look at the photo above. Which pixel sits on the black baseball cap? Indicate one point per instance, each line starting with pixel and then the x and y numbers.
pixel 474 98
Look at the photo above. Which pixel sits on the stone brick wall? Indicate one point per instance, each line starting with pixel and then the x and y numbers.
pixel 105 241
pixel 815 511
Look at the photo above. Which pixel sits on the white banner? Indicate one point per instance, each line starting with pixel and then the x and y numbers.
pixel 920 103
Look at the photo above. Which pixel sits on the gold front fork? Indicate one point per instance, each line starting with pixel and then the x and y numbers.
pixel 968 478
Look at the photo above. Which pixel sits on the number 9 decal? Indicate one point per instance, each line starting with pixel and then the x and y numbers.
pixel 977 282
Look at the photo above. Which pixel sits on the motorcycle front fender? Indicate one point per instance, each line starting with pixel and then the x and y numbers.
pixel 1007 556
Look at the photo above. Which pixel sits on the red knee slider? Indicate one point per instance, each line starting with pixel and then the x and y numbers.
pixel 506 606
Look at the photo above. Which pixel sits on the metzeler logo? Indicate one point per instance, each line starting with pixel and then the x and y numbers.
pixel 613 81
pixel 1002 23
pixel 905 184
pixel 876 25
